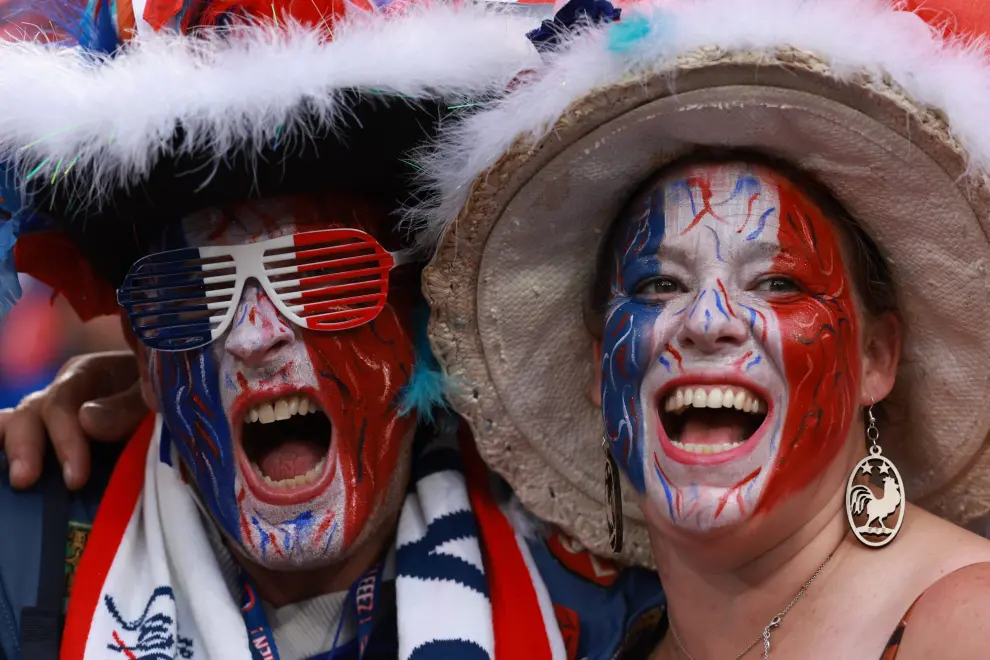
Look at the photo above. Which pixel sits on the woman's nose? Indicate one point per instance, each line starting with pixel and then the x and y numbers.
pixel 712 324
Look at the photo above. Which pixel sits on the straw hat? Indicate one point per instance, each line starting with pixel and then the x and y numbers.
pixel 884 109
pixel 119 119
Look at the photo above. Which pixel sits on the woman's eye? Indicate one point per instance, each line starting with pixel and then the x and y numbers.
pixel 777 284
pixel 659 286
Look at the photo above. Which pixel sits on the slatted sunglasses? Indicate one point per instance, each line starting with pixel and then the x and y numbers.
pixel 327 280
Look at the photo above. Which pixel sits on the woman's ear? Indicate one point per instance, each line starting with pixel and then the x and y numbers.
pixel 881 357
pixel 595 393
pixel 141 355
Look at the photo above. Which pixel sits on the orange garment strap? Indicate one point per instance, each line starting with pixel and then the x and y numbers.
pixel 112 519
pixel 516 614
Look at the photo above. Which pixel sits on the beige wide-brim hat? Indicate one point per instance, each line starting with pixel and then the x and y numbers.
pixel 874 103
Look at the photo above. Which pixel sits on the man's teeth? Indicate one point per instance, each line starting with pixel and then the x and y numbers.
pixel 280 409
pixel 714 396
pixel 294 482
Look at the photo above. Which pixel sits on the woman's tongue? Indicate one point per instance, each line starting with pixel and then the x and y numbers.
pixel 713 427
pixel 291 458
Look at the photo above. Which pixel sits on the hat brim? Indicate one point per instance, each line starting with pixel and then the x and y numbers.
pixel 509 281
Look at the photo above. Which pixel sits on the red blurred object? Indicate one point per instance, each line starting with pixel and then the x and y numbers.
pixel 313 12
pixel 31 340
pixel 53 259
pixel 954 17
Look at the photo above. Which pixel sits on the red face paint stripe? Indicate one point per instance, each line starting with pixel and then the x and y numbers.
pixel 322 529
pixel 737 489
pixel 725 297
pixel 821 367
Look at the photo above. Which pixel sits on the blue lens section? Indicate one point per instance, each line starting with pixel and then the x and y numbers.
pixel 153 294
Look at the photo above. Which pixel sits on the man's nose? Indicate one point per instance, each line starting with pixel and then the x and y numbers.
pixel 258 330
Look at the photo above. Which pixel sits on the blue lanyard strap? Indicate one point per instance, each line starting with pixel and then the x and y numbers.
pixel 364 596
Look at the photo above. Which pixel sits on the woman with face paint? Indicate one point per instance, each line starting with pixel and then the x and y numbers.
pixel 741 247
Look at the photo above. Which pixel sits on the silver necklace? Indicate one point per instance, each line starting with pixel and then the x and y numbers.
pixel 765 635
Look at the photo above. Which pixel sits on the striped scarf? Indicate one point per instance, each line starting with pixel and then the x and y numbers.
pixel 149 585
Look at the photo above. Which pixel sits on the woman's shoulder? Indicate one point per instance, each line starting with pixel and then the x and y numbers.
pixel 950 618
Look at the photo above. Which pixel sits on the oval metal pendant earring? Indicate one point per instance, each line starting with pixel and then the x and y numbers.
pixel 613 499
pixel 874 494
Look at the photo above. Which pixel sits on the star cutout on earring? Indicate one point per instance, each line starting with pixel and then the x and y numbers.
pixel 884 469
pixel 867 469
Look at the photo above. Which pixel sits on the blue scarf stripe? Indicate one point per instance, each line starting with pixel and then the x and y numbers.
pixel 449 648
pixel 420 559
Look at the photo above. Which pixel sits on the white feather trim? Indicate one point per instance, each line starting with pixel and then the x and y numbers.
pixel 238 88
pixel 852 35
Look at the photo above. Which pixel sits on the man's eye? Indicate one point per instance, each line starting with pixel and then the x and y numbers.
pixel 777 284
pixel 659 286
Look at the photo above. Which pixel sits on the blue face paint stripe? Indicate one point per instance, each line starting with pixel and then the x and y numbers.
pixel 763 223
pixel 718 305
pixel 752 315
pixel 697 301
pixel 718 244
pixel 755 361
pixel 708 320
pixel 664 362
pixel 666 491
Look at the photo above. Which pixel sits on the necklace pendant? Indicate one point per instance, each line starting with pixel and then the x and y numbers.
pixel 874 494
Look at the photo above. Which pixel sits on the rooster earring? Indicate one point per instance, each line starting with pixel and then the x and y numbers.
pixel 875 492
pixel 613 499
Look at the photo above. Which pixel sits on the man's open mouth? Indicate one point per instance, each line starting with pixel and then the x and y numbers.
pixel 711 419
pixel 286 442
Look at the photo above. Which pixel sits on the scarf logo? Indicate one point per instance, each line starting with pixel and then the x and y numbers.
pixel 152 636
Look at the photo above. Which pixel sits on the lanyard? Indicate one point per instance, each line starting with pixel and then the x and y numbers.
pixel 363 596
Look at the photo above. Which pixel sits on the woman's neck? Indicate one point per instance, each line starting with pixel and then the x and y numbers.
pixel 712 587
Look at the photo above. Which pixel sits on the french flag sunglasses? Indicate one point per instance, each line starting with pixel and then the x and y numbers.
pixel 327 280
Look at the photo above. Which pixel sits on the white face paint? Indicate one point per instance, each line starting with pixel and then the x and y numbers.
pixel 714 334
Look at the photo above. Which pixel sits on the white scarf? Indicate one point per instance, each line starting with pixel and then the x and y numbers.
pixel 149 585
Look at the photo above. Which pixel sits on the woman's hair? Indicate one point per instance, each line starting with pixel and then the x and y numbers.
pixel 871 276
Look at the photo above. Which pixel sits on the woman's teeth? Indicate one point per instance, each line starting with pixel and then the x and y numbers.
pixel 294 482
pixel 714 396
pixel 280 409
pixel 706 449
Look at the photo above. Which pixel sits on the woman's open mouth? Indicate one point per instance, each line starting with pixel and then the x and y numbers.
pixel 286 445
pixel 710 423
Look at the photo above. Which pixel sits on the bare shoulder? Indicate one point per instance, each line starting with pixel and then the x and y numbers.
pixel 950 620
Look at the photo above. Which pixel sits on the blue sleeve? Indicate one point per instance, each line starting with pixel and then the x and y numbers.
pixel 603 610
pixel 21 515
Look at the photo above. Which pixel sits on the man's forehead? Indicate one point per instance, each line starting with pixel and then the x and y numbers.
pixel 259 220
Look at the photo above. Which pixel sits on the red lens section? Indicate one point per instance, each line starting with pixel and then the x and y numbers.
pixel 334 279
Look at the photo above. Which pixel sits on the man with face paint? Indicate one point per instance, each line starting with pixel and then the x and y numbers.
pixel 299 494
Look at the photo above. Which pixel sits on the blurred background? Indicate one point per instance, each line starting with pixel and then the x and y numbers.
pixel 39 335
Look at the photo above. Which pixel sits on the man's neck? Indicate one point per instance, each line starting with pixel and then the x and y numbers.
pixel 281 588
pixel 710 591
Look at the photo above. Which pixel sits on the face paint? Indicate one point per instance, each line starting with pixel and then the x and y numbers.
pixel 730 357
pixel 293 438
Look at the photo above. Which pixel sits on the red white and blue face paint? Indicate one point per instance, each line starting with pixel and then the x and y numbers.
pixel 293 437
pixel 730 356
